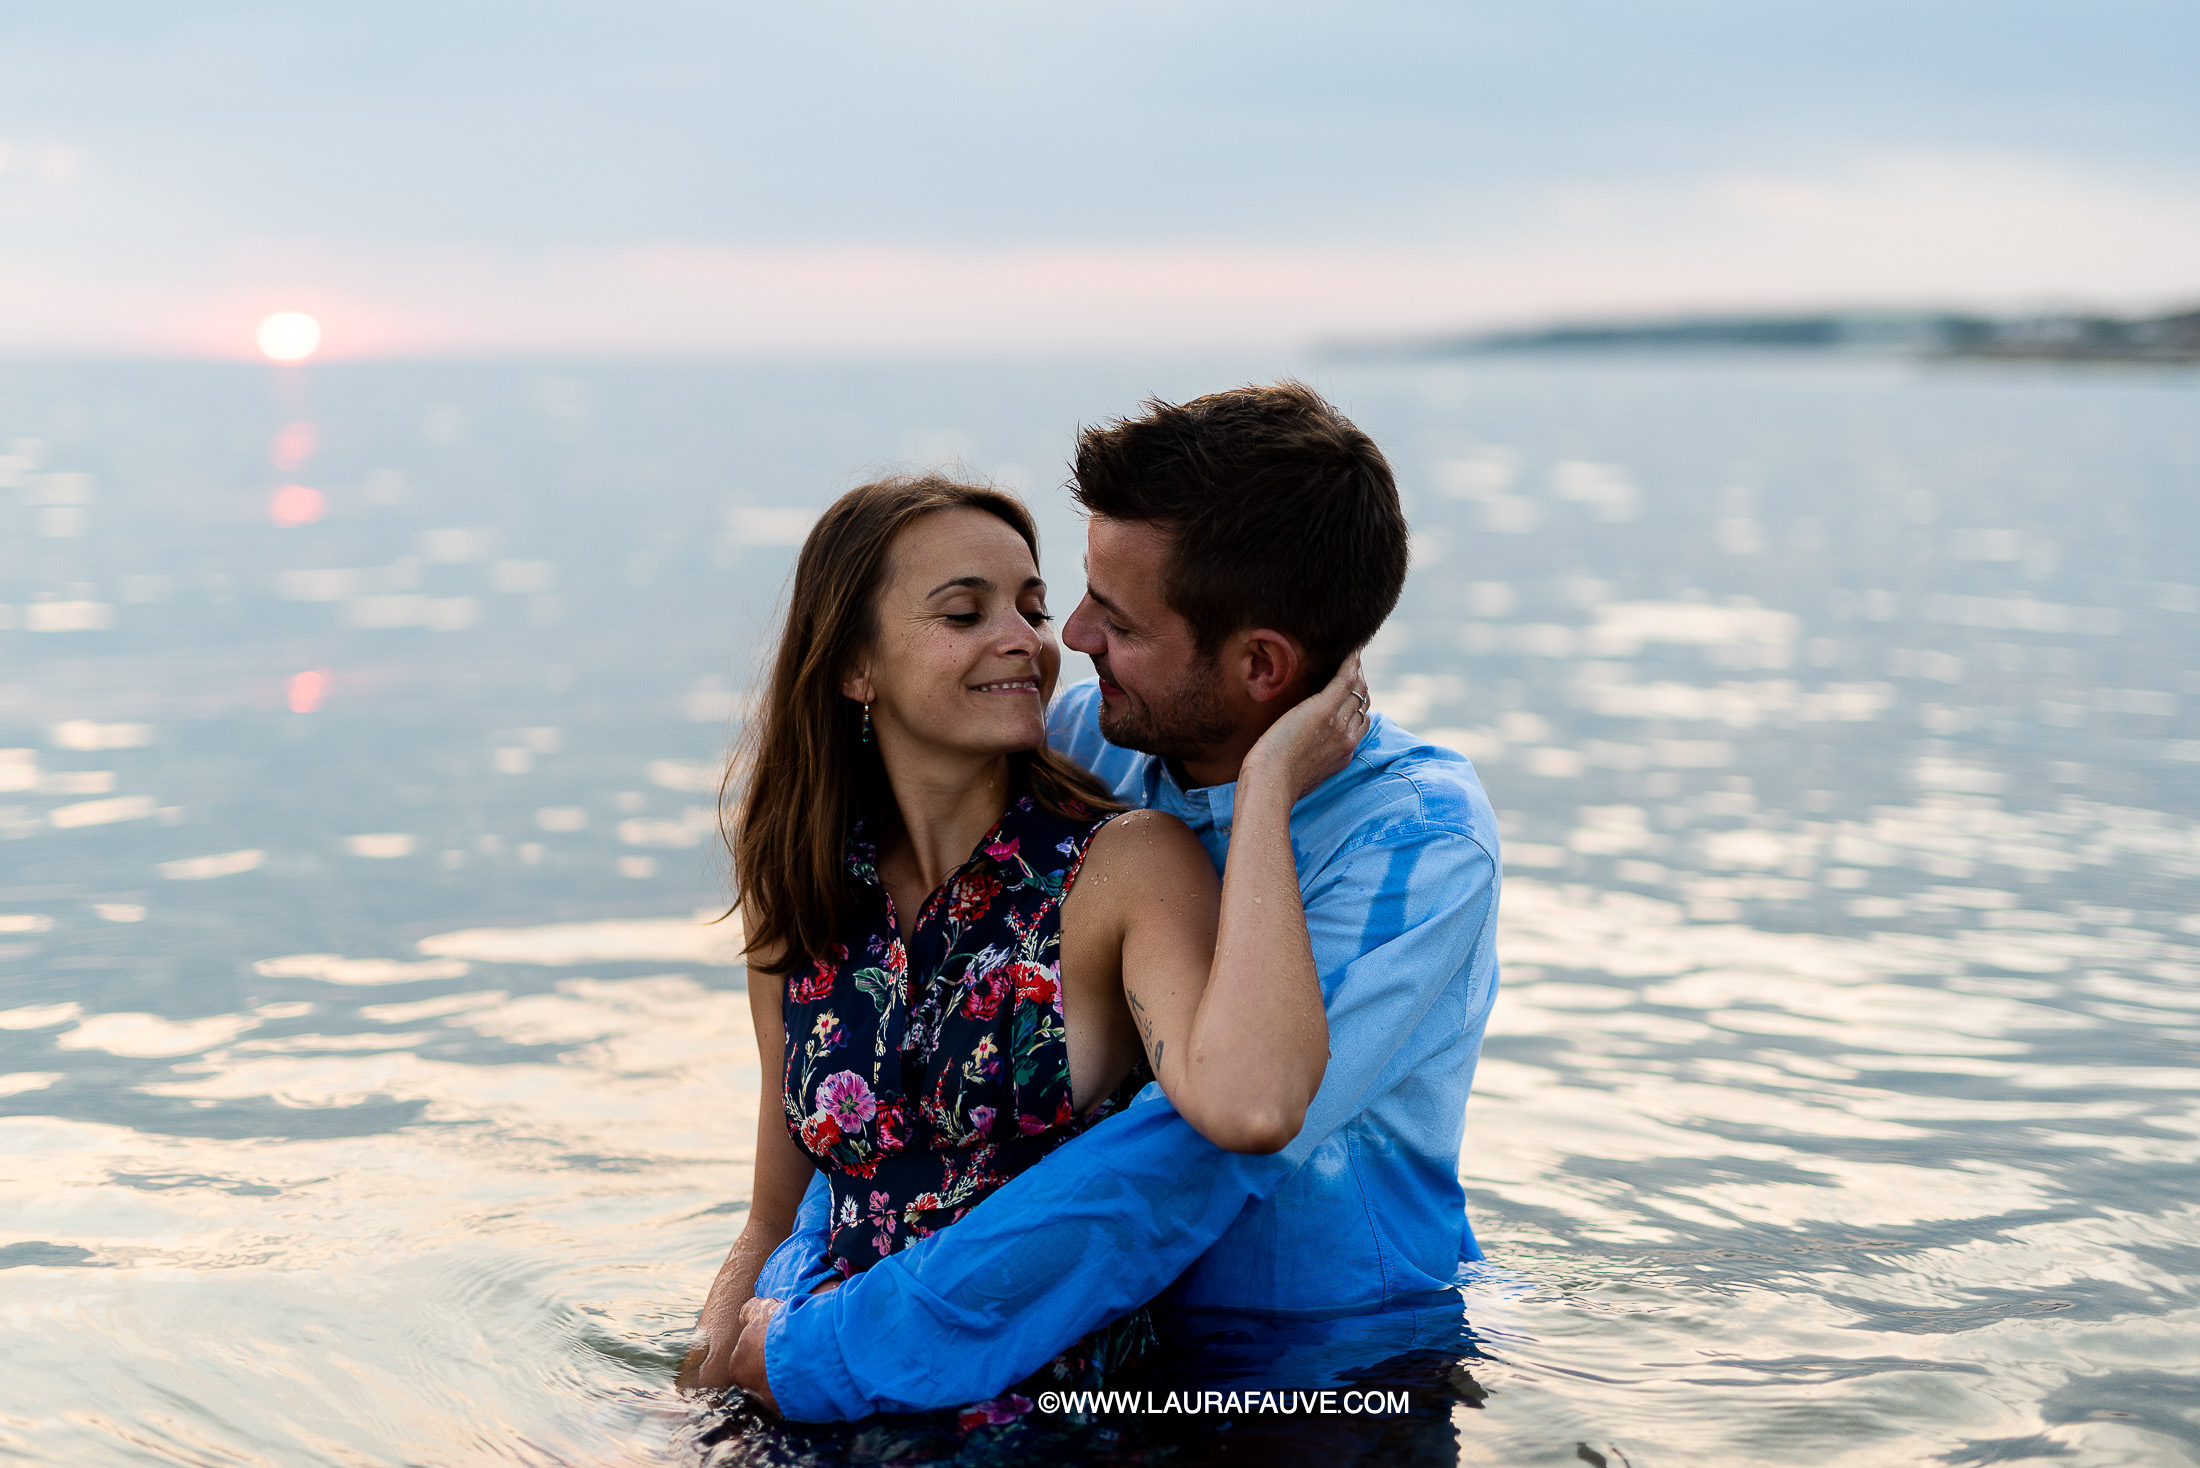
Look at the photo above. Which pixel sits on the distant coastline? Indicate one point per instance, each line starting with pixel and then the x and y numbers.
pixel 2172 339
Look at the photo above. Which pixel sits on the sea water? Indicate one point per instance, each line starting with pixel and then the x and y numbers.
pixel 374 1089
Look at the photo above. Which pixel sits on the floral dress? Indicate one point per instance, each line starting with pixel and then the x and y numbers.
pixel 923 1074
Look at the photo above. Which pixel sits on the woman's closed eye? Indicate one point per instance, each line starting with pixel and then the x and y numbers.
pixel 1038 618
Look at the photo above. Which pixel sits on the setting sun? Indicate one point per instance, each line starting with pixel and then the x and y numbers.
pixel 290 336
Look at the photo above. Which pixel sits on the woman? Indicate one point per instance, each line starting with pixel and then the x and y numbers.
pixel 961 951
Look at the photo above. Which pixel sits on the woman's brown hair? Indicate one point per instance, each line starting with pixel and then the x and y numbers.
pixel 802 773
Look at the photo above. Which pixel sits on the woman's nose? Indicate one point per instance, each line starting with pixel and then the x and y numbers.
pixel 1018 636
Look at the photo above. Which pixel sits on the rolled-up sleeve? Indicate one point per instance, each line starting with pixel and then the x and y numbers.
pixel 1095 1230
pixel 1107 1222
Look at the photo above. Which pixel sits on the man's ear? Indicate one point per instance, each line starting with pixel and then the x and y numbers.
pixel 1272 662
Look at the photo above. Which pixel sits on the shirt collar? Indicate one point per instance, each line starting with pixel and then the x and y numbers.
pixel 1216 805
pixel 1202 807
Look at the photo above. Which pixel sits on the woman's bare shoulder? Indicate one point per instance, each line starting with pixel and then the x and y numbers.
pixel 1145 849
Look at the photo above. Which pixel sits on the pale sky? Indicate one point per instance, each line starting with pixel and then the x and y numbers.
pixel 479 177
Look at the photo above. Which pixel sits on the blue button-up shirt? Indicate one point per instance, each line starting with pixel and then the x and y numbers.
pixel 1397 860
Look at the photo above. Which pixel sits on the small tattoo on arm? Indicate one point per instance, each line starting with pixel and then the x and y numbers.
pixel 1145 1027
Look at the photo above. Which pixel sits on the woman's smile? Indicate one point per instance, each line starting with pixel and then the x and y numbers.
pixel 1007 685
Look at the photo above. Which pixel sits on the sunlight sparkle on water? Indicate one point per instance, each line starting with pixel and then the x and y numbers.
pixel 289 336
pixel 294 446
pixel 296 504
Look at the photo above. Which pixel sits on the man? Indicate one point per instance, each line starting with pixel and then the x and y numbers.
pixel 1240 548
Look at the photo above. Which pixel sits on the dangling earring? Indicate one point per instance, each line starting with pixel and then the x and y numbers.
pixel 866 739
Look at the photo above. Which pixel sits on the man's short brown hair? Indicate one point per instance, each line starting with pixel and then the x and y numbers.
pixel 1281 513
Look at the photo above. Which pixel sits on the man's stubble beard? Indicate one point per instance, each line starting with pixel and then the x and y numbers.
pixel 1188 722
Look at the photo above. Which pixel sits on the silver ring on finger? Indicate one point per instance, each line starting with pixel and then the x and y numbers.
pixel 1363 702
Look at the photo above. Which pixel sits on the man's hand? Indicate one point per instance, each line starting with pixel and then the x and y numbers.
pixel 747 1363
